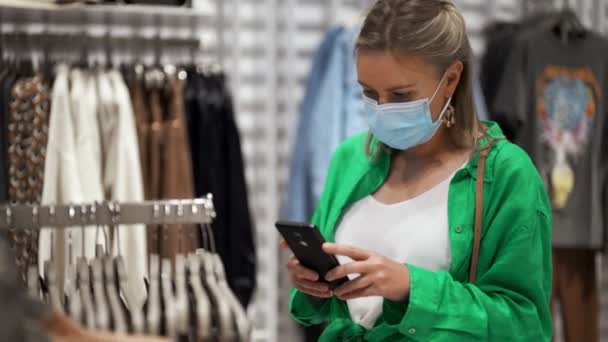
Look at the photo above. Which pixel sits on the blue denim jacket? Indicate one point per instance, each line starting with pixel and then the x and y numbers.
pixel 332 110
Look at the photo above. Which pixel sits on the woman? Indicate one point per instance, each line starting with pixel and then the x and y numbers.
pixel 402 210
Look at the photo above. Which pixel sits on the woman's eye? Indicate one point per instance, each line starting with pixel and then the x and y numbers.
pixel 401 97
pixel 371 94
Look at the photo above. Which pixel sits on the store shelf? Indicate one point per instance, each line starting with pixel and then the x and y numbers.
pixel 128 15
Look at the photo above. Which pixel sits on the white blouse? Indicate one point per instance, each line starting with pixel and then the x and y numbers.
pixel 412 232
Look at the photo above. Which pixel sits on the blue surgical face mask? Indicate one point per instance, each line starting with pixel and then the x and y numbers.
pixel 403 125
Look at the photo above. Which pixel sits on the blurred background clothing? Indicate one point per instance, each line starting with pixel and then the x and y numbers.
pixel 262 131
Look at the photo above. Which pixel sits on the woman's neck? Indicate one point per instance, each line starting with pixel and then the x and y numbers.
pixel 440 152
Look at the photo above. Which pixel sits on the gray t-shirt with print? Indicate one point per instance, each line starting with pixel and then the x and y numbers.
pixel 556 93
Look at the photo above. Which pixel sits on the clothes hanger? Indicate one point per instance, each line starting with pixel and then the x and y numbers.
pixel 50 276
pixel 202 305
pixel 220 303
pixel 181 297
pixel 109 312
pixel 74 305
pixel 567 26
pixel 102 303
pixel 33 284
pixel 169 313
pixel 119 322
pixel 242 322
pixel 138 325
pixel 70 278
pixel 102 313
pixel 137 319
pixel 84 287
pixel 69 288
pixel 153 308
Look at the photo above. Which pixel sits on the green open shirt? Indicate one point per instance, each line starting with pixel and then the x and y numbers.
pixel 510 299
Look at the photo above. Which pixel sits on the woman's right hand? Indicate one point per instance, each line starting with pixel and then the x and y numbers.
pixel 305 279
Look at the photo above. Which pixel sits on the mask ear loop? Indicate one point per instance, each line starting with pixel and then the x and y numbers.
pixel 449 118
pixel 439 86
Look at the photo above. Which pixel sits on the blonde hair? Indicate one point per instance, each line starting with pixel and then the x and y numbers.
pixel 435 31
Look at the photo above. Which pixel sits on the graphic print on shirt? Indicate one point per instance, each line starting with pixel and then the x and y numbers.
pixel 566 105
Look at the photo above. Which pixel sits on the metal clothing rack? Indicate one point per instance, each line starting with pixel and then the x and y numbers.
pixel 107 213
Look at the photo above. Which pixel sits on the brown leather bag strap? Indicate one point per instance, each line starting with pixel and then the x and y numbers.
pixel 481 171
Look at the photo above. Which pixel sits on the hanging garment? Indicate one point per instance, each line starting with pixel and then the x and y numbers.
pixel 83 94
pixel 27 138
pixel 156 129
pixel 7 80
pixel 556 93
pixel 61 174
pixel 219 170
pixel 73 165
pixel 85 117
pixel 332 110
pixel 177 178
pixel 126 184
pixel 142 123
pixel 575 288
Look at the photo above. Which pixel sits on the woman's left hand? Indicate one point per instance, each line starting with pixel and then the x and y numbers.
pixel 378 275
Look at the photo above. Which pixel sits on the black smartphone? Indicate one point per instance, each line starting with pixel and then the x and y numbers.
pixel 306 243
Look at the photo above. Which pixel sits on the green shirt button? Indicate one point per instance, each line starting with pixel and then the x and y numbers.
pixel 458 229
pixel 412 331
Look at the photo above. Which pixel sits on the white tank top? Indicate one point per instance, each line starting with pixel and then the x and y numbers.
pixel 412 232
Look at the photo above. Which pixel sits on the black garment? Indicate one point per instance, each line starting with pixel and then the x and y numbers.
pixel 501 39
pixel 219 169
pixel 7 79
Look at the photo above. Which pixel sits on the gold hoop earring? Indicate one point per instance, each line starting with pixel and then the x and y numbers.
pixel 450 117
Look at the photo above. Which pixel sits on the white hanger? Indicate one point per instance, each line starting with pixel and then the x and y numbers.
pixel 101 303
pixel 221 302
pixel 84 287
pixel 202 307
pixel 240 316
pixel 33 283
pixel 242 322
pixel 137 316
pixel 118 316
pixel 154 311
pixel 50 277
pixel 69 287
pixel 181 297
pixel 168 299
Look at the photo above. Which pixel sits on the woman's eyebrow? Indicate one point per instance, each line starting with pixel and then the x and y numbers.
pixel 399 87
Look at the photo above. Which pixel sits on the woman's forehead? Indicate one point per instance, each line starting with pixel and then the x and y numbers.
pixel 387 70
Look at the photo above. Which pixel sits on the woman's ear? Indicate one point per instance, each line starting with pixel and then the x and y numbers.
pixel 453 78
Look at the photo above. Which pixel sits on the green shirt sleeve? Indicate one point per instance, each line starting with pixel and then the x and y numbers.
pixel 510 299
pixel 307 310
pixel 497 308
